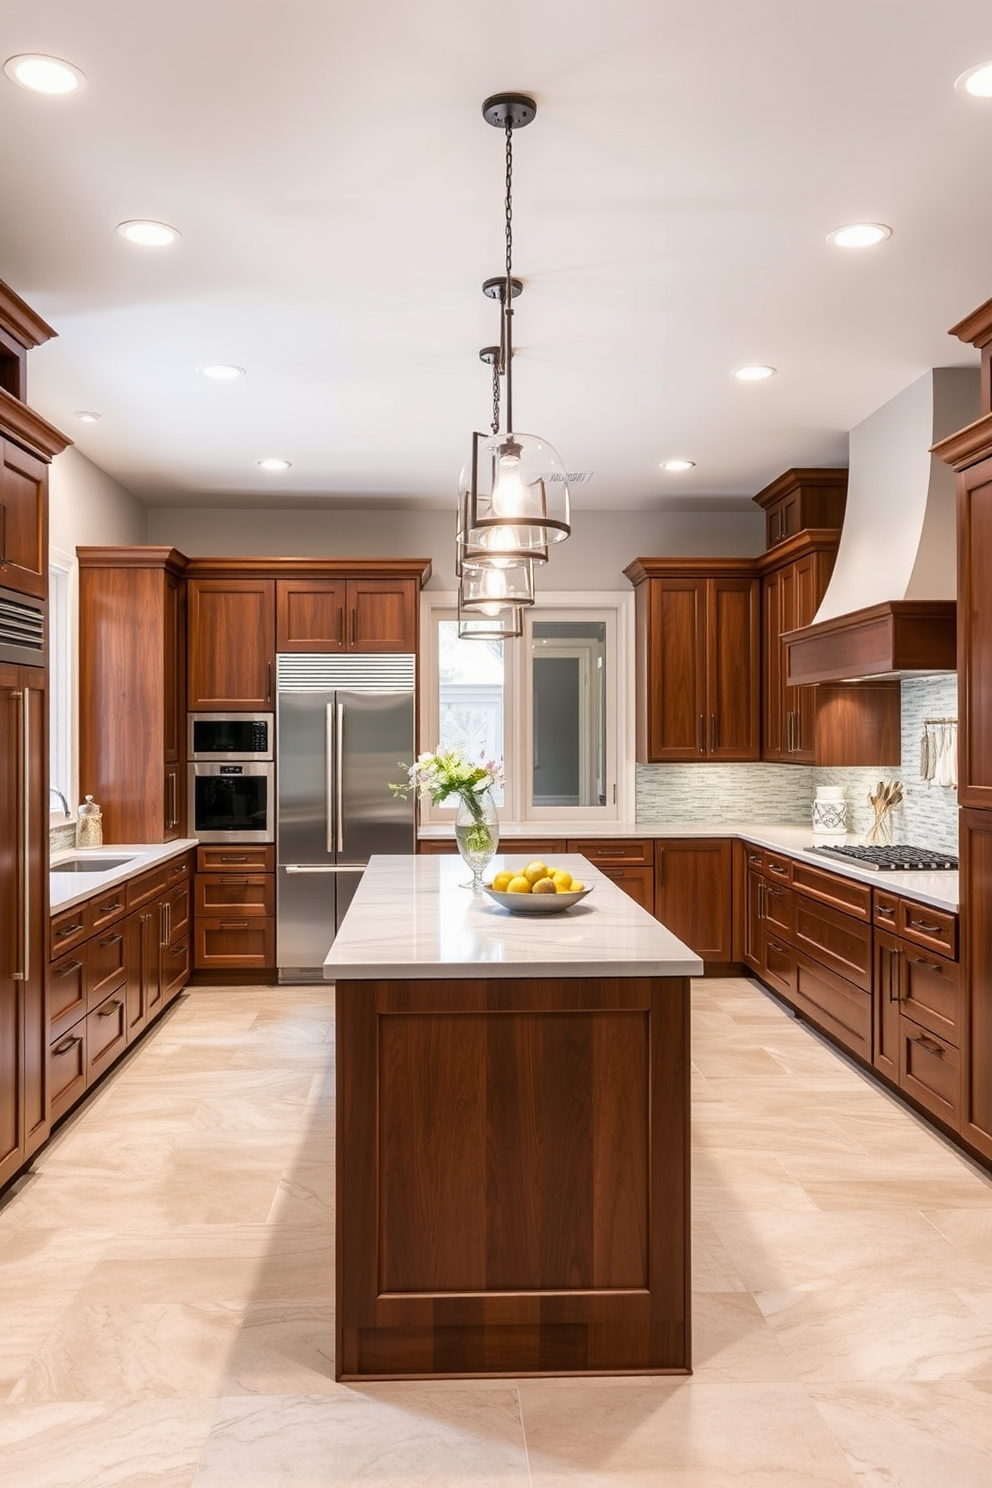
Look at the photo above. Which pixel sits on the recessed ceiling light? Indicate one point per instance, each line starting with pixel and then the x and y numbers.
pixel 754 374
pixel 221 372
pixel 43 74
pixel 271 464
pixel 87 416
pixel 977 81
pixel 675 465
pixel 148 234
pixel 859 235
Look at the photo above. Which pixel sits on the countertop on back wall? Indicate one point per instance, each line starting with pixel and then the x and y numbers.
pixel 939 889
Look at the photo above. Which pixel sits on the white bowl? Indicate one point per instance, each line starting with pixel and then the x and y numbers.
pixel 537 903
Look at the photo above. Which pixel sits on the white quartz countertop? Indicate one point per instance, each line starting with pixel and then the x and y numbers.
pixel 67 889
pixel 798 840
pixel 411 919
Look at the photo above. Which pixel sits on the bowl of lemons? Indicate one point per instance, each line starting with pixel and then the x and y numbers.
pixel 536 889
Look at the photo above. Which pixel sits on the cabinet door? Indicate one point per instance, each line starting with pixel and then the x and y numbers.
pixel 232 639
pixel 310 615
pixel 773 667
pixel 693 893
pixel 382 614
pixel 174 667
pixel 23 521
pixel 975 636
pixel 753 896
pixel 975 852
pixel 676 646
pixel 733 669
pixel 887 996
pixel 174 801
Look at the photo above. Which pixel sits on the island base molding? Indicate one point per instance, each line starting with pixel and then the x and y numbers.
pixel 512 1177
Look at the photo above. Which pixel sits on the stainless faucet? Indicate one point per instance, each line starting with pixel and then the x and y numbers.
pixel 53 790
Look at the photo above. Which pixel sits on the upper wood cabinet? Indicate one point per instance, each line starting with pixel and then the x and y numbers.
pixel 132 713
pixel 975 634
pixel 366 614
pixel 23 520
pixel 231 662
pixel 794 579
pixel 800 499
pixel 698 659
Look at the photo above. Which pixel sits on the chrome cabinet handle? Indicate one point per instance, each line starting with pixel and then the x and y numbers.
pixel 702 733
pixel 927 929
pixel 330 795
pixel 68 1044
pixel 108 1009
pixel 712 733
pixel 931 1045
pixel 69 968
pixel 111 940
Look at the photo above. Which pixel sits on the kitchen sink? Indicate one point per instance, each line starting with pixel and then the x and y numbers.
pixel 90 865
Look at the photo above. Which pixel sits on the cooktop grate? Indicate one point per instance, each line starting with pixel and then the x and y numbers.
pixel 894 859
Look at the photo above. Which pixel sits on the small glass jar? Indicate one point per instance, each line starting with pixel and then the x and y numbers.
pixel 89 824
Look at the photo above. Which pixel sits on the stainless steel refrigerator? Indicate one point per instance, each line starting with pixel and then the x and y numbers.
pixel 343 726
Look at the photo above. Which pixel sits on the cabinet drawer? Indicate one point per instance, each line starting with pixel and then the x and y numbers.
pixel 258 859
pixel 932 993
pixel 103 909
pixel 841 942
pixel 532 847
pixel 778 909
pixel 636 881
pixel 67 1069
pixel 106 1033
pixel 178 868
pixel 619 850
pixel 225 894
pixel 931 1072
pixel 236 942
pixel 175 967
pixel 778 966
pixel 754 858
pixel 930 927
pixel 67 930
pixel 778 867
pixel 106 965
pixel 147 886
pixel 66 992
pixel 835 1005
pixel 830 888
pixel 885 910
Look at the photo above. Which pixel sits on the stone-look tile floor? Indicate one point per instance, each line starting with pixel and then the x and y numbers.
pixel 166 1287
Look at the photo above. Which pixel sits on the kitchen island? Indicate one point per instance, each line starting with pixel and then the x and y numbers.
pixel 512 1131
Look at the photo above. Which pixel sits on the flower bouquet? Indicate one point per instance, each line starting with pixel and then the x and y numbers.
pixel 446 772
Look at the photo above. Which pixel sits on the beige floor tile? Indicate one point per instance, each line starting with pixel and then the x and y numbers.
pixel 712 1268
pixel 845 1333
pixel 399 1435
pixel 968 1230
pixel 748 1179
pixel 689 1435
pixel 117 1351
pixel 305 1195
pixel 936 1435
pixel 143 1444
pixel 732 1342
pixel 284 1349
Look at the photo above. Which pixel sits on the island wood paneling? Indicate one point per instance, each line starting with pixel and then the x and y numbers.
pixel 512 1177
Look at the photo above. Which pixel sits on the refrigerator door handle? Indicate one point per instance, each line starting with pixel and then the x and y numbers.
pixel 338 774
pixel 330 796
pixel 324 868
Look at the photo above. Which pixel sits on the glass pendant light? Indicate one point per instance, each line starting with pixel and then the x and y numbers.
pixel 502 624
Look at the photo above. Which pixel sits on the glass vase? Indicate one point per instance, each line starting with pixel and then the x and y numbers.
pixel 476 833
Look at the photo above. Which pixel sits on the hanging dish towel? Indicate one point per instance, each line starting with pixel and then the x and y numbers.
pixel 927 753
pixel 945 756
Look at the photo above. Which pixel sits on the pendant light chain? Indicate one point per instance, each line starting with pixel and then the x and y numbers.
pixel 495 423
pixel 506 332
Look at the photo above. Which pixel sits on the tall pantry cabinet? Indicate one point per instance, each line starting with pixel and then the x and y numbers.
pixel 27 445
pixel 970 453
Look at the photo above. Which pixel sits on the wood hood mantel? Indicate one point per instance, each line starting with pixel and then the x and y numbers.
pixel 884 640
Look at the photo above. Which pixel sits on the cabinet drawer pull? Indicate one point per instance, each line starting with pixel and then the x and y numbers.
pixel 927 965
pixel 887 914
pixel 235 878
pixel 68 1044
pixel 702 733
pixel 67 931
pixel 931 1045
pixel 108 1009
pixel 234 924
pixel 754 857
pixel 782 872
pixel 234 857
pixel 111 940
pixel 712 733
pixel 68 968
pixel 109 908
pixel 927 929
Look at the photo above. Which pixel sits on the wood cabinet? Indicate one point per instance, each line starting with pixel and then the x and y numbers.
pixel 132 627
pixel 118 959
pixel 975 635
pixel 627 862
pixel 975 854
pixel 234 926
pixel 24 1087
pixel 357 614
pixel 232 644
pixel 693 894
pixel 794 579
pixel 800 499
pixel 697 659
pixel 23 520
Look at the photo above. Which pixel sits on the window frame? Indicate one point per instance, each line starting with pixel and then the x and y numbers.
pixel 63 681
pixel 551 605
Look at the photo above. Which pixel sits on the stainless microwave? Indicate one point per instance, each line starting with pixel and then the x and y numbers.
pixel 230 736
pixel 232 801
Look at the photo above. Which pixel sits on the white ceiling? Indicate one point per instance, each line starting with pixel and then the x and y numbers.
pixel 340 200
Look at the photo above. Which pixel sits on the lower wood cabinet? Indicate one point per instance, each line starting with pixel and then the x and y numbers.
pixel 693 896
pixel 234 907
pixel 118 959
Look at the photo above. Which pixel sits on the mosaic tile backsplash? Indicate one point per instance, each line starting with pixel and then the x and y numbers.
pixel 710 794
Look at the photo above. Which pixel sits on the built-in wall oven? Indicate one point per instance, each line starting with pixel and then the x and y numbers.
pixel 231 777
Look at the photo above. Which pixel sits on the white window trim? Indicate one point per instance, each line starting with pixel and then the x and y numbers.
pixel 437 604
pixel 63 633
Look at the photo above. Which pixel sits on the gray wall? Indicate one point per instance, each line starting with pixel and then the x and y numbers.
pixel 88 507
pixel 594 557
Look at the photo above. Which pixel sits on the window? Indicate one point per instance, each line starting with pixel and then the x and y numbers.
pixel 552 705
pixel 62 683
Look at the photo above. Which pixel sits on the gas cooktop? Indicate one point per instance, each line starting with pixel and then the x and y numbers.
pixel 893 859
